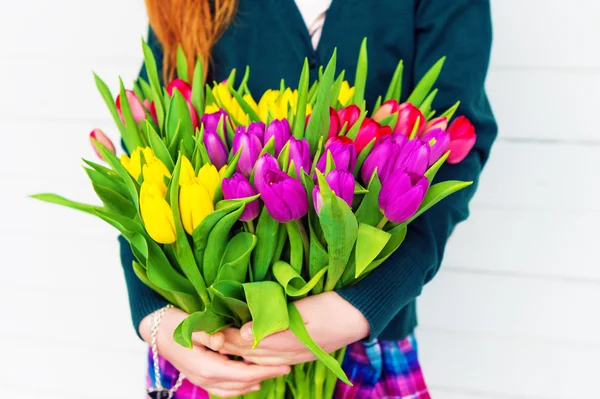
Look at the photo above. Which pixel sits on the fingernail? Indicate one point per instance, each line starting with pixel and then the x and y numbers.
pixel 246 333
pixel 256 388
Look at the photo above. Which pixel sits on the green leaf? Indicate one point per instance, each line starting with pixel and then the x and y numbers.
pixel 228 299
pixel 433 169
pixel 353 132
pixel 267 230
pixel 377 105
pixel 244 84
pixel 179 121
pixel 360 81
pixel 390 120
pixel 396 239
pixel 300 117
pixel 426 83
pixel 231 78
pixel 438 192
pixel 132 185
pixel 394 91
pixel 335 89
pixel 138 91
pixel 234 265
pixel 245 106
pixel 131 135
pixel 362 157
pixel 291 280
pixel 450 111
pixel 146 90
pixel 115 202
pixel 369 244
pixel 296 247
pixel 198 88
pixel 110 180
pixel 318 123
pixel 312 93
pixel 182 65
pixel 140 272
pixel 206 321
pixel 158 146
pixel 299 330
pixel 155 85
pixel 57 199
pixel 183 251
pixel 231 167
pixel 268 308
pixel 368 212
pixel 425 107
pixel 218 238
pixel 110 103
pixel 340 229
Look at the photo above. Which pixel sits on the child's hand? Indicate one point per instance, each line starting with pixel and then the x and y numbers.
pixel 330 320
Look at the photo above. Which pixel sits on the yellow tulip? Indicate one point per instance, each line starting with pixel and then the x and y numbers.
pixel 211 109
pixel 156 214
pixel 346 93
pixel 225 100
pixel 279 104
pixel 209 178
pixel 187 173
pixel 134 164
pixel 155 171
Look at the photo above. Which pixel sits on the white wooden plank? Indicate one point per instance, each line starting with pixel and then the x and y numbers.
pixel 498 367
pixel 445 394
pixel 545 33
pixel 528 309
pixel 545 104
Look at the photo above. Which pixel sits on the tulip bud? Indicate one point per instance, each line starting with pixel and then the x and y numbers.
pixel 184 88
pixel 437 123
pixel 156 214
pixel 210 178
pixel 285 198
pixel 137 109
pixel 462 139
pixel 280 129
pixel 387 108
pixel 401 195
pixel 215 148
pixel 300 154
pixel 341 183
pixel 408 115
pixel 134 164
pixel 99 136
pixel 239 187
pixel 251 147
pixel 414 157
pixel 343 152
pixel 211 121
pixel 195 197
pixel 383 157
pixel 439 142
pixel 152 109
pixel 369 130
pixel 257 129
pixel 155 171
pixel 264 163
pixel 334 123
pixel 349 115
pixel 346 93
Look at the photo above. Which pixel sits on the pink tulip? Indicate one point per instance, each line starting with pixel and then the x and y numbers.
pixel 408 115
pixel 99 136
pixel 137 109
pixel 462 139
pixel 152 109
pixel 184 88
pixel 437 123
pixel 387 108
pixel 369 130
pixel 349 115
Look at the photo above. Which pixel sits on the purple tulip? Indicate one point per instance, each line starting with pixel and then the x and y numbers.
pixel 217 152
pixel 239 187
pixel 264 163
pixel 251 147
pixel 280 129
pixel 211 121
pixel 401 195
pixel 285 198
pixel 342 185
pixel 343 152
pixel 257 129
pixel 300 154
pixel 439 141
pixel 414 157
pixel 383 157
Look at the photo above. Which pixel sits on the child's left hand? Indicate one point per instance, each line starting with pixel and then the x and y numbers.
pixel 331 321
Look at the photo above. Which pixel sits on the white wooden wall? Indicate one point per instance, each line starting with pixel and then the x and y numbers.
pixel 513 313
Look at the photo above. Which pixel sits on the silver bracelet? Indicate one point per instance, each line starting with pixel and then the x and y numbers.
pixel 159 392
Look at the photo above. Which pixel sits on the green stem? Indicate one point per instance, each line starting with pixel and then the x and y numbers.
pixel 319 379
pixel 280 387
pixel 250 226
pixel 382 223
pixel 304 236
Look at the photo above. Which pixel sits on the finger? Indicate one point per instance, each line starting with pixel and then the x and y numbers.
pixel 234 337
pixel 280 361
pixel 246 332
pixel 214 341
pixel 225 369
pixel 230 393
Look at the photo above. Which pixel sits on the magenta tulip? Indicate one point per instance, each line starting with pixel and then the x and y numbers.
pixel 217 152
pixel 285 198
pixel 251 146
pixel 184 88
pixel 369 130
pixel 137 109
pixel 439 141
pixel 99 136
pixel 383 157
pixel 341 183
pixel 462 139
pixel 257 129
pixel 211 121
pixel 300 155
pixel 437 123
pixel 343 152
pixel 236 187
pixel 387 108
pixel 414 157
pixel 264 163
pixel 401 195
pixel 408 115
pixel 348 115
pixel 280 129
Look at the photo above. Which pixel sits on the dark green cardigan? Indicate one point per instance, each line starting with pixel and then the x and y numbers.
pixel 272 38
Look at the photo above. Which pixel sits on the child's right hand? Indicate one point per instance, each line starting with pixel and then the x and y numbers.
pixel 202 365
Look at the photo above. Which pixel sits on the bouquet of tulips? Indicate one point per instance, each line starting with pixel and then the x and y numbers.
pixel 234 209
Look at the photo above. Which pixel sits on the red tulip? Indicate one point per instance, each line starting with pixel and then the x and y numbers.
pixel 369 130
pixel 183 88
pixel 437 123
pixel 334 123
pixel 462 139
pixel 137 109
pixel 349 115
pixel 99 136
pixel 407 118
pixel 387 108
pixel 152 109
